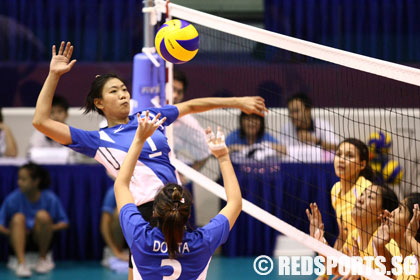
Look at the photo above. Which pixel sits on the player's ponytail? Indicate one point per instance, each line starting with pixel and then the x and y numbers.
pixel 172 207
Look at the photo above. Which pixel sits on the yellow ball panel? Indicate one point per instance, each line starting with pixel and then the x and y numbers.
pixel 177 51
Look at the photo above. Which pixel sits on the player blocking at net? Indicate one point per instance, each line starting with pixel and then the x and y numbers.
pixel 157 251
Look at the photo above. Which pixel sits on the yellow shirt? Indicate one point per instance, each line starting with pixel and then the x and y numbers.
pixel 370 250
pixel 343 203
pixel 395 251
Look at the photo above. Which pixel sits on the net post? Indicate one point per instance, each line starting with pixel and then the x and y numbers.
pixel 147 26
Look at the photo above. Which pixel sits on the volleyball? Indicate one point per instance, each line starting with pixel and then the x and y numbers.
pixel 177 41
pixel 392 172
pixel 379 142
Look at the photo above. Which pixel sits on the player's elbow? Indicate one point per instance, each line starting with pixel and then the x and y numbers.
pixel 38 123
pixel 236 204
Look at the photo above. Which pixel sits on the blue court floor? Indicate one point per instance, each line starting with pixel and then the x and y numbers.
pixel 220 268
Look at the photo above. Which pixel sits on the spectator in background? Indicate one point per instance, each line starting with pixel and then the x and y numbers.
pixel 303 128
pixel 30 215
pixel 111 231
pixel 189 137
pixel 251 140
pixel 8 147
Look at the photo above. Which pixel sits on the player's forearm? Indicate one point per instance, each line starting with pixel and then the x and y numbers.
pixel 205 104
pixel 11 147
pixel 43 104
pixel 415 246
pixel 232 189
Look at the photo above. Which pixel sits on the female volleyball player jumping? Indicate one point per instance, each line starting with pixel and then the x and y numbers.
pixel 109 97
pixel 167 251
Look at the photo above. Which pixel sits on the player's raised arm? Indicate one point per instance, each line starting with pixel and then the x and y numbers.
pixel 248 104
pixel 60 64
pixel 145 129
pixel 233 193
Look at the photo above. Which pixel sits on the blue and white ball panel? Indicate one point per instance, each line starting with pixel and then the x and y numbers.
pixel 109 146
pixel 149 252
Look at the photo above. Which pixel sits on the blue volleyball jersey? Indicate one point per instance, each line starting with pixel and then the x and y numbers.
pixel 110 145
pixel 149 251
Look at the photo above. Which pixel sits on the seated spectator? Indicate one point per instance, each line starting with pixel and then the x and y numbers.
pixel 8 147
pixel 251 140
pixel 111 232
pixel 303 128
pixel 38 141
pixel 29 216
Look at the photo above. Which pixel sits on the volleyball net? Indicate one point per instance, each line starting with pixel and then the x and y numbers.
pixel 282 171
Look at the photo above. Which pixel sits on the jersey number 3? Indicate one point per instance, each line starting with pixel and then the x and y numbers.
pixel 176 265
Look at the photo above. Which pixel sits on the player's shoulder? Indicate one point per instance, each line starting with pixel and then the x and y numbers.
pixel 336 188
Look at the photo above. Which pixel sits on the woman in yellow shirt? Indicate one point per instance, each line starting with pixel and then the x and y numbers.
pixel 351 164
pixel 412 233
pixel 394 228
pixel 366 213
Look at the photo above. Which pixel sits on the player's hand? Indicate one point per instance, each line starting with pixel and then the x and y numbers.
pixel 252 105
pixel 60 62
pixel 382 237
pixel 147 127
pixel 316 226
pixel 216 143
pixel 413 226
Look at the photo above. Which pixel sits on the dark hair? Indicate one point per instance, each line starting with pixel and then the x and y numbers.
pixel 172 208
pixel 411 199
pixel 60 101
pixel 388 197
pixel 363 155
pixel 260 132
pixel 180 76
pixel 1 116
pixel 302 97
pixel 38 172
pixel 96 92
